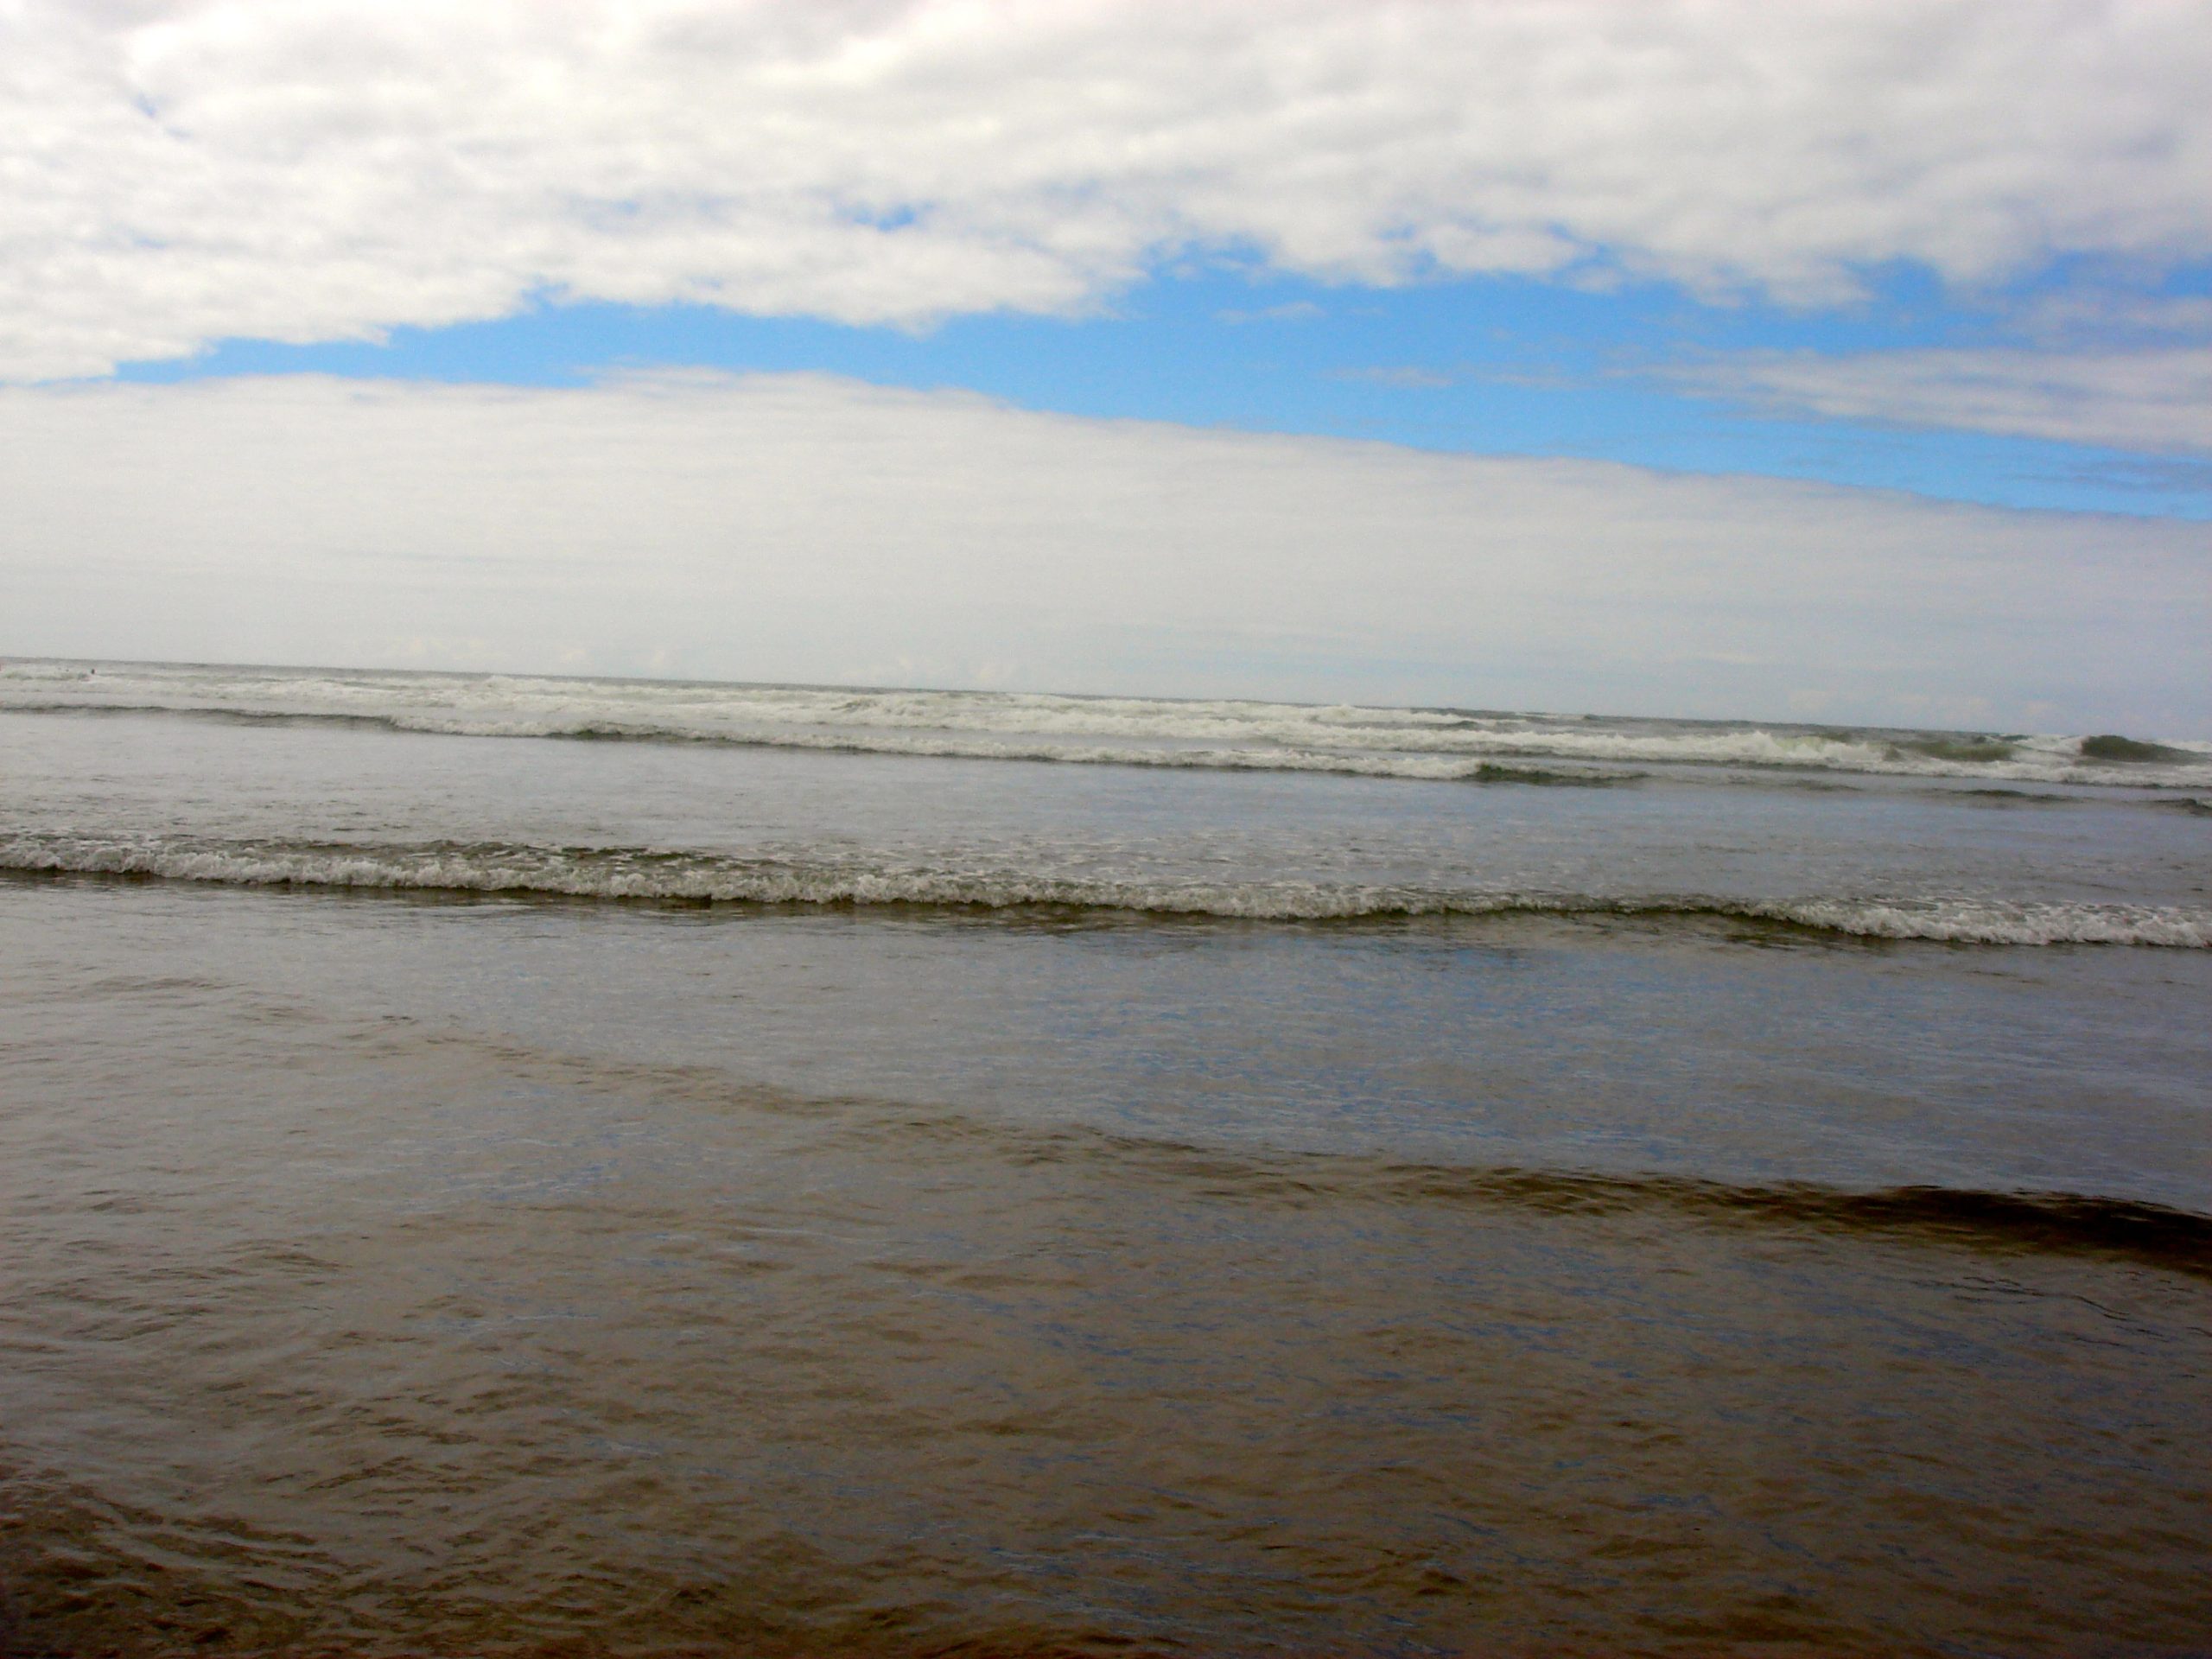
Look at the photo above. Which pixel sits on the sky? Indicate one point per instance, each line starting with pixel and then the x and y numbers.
pixel 1841 359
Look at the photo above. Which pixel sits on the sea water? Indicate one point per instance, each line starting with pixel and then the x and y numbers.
pixel 509 1165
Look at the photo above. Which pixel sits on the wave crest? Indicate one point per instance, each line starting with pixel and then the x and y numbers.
pixel 1439 744
pixel 655 876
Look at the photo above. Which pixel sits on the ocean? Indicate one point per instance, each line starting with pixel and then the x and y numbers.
pixel 494 1165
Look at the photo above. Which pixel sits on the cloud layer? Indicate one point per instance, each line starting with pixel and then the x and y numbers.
pixel 313 169
pixel 2152 401
pixel 803 528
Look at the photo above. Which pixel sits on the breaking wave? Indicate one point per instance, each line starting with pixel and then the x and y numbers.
pixel 1439 744
pixel 652 875
pixel 1416 767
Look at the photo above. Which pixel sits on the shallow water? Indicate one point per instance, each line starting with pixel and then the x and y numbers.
pixel 402 1265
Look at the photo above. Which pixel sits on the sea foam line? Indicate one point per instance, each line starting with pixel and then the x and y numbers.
pixel 1132 731
pixel 1417 767
pixel 1496 758
pixel 656 876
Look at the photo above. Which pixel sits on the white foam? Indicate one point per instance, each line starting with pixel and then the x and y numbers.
pixel 1985 922
pixel 1421 744
pixel 650 874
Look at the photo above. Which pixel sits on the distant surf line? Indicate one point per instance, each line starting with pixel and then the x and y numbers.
pixel 1501 761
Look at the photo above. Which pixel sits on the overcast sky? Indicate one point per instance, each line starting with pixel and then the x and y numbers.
pixel 1844 360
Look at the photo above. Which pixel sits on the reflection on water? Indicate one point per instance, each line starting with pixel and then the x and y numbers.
pixel 411 1322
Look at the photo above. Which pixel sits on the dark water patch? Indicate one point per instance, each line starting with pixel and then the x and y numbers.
pixel 1491 772
pixel 2058 1224
pixel 2111 747
pixel 1966 750
pixel 2010 796
pixel 1998 796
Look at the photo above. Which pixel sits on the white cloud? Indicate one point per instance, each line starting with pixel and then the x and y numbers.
pixel 2113 316
pixel 804 528
pixel 2157 400
pixel 308 169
